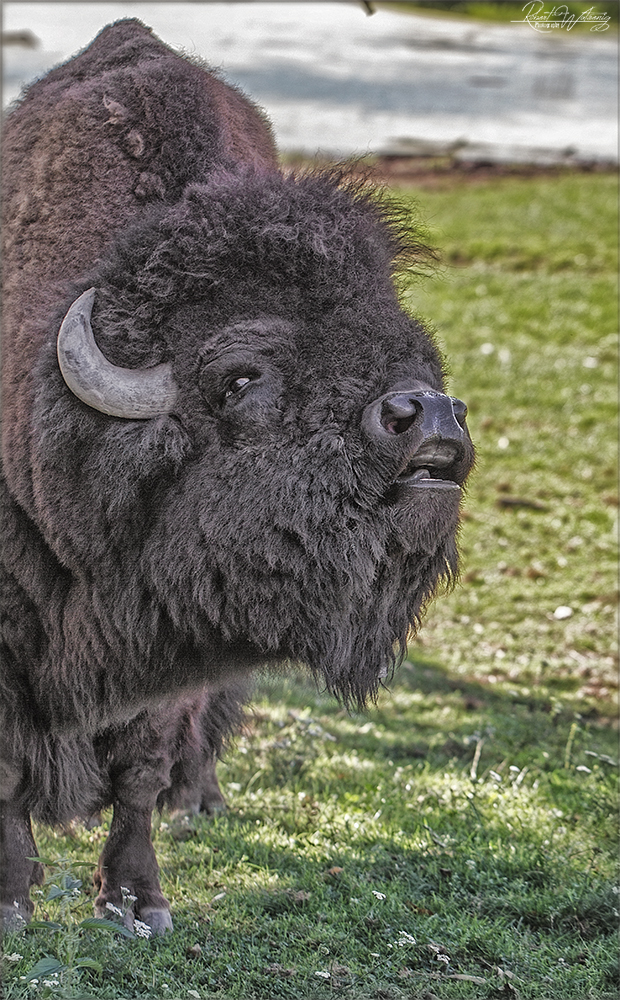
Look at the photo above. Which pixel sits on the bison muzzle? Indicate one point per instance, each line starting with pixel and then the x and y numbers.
pixel 225 444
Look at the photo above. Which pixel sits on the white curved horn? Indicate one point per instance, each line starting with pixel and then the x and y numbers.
pixel 136 393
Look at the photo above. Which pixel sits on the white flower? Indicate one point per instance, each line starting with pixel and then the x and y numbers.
pixel 405 939
pixel 379 895
pixel 141 929
pixel 127 897
pixel 323 975
pixel 17 915
pixel 562 612
pixel 115 909
pixel 194 993
pixel 15 957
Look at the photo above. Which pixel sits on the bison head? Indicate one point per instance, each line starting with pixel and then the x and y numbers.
pixel 262 448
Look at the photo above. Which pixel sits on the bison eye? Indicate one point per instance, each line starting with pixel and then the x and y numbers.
pixel 236 385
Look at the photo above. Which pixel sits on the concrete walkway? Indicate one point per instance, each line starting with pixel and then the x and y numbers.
pixel 340 82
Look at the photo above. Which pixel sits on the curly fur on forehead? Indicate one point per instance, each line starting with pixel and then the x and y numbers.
pixel 287 228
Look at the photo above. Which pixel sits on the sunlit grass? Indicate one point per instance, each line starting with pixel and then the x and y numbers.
pixel 535 356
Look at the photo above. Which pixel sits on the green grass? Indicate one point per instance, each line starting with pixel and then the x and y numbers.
pixel 479 798
pixel 532 343
pixel 506 11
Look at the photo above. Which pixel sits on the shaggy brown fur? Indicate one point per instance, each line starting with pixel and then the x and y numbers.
pixel 151 565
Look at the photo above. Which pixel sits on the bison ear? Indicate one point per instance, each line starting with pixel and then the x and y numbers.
pixel 135 393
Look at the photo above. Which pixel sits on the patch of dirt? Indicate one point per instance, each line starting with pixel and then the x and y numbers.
pixel 446 172
pixel 441 172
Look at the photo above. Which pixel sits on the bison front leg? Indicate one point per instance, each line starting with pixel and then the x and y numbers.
pixel 128 862
pixel 18 873
pixel 194 788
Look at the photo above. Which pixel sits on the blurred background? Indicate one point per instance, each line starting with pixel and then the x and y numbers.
pixel 352 78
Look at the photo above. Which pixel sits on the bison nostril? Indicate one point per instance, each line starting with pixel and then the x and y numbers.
pixel 398 413
pixel 460 410
pixel 420 414
pixel 398 426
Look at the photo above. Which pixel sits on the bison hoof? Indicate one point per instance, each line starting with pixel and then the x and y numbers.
pixel 156 919
pixel 213 808
pixel 13 918
pixel 159 920
pixel 93 820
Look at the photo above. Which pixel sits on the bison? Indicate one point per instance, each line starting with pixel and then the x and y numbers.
pixel 225 443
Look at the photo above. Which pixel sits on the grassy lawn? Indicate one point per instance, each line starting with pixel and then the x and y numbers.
pixel 460 839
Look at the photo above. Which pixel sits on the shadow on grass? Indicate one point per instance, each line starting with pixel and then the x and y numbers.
pixel 516 893
pixel 444 716
pixel 437 730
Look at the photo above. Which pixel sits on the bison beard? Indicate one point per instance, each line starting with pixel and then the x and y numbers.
pixel 280 484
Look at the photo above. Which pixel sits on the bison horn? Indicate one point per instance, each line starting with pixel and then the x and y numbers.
pixel 137 393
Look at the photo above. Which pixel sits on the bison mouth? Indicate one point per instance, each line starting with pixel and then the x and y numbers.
pixel 430 468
